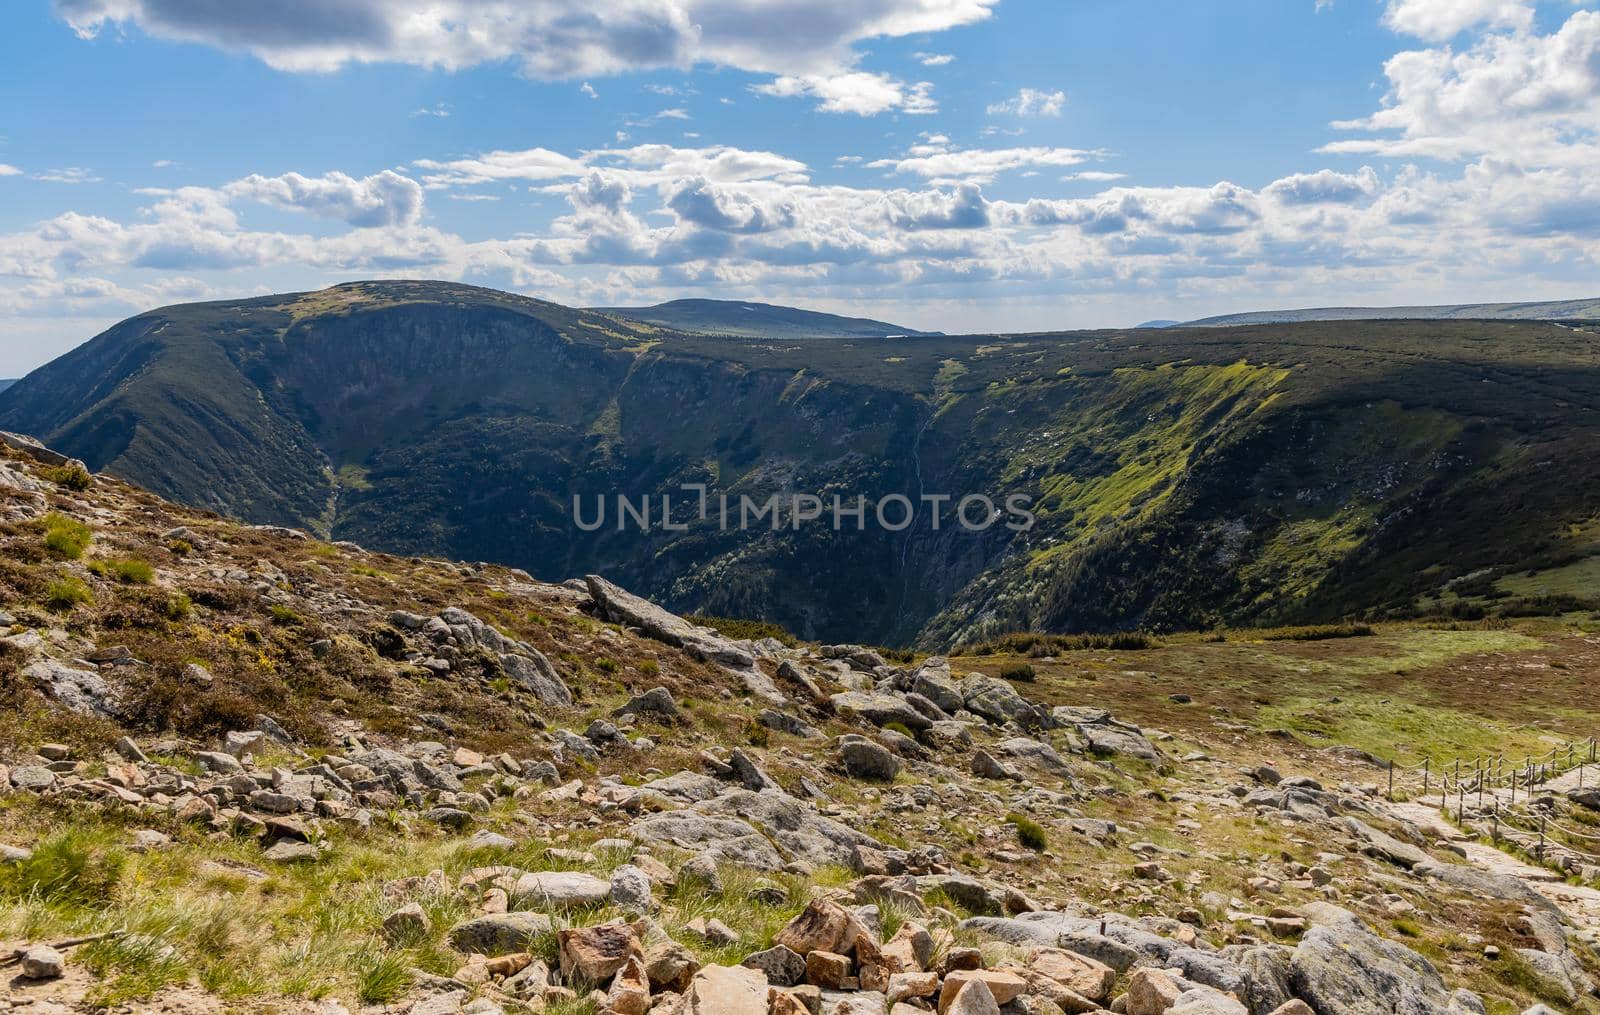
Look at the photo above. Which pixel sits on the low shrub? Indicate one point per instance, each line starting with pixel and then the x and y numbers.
pixel 131 571
pixel 744 630
pixel 70 477
pixel 1318 632
pixel 65 593
pixel 1021 672
pixel 1037 646
pixel 1029 832
pixel 66 537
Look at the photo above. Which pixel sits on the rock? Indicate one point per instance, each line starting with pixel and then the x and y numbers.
pixel 41 962
pixel 1001 986
pixel 823 926
pixel 1078 973
pixel 595 954
pixel 630 989
pixel 408 923
pixel 631 889
pixel 83 691
pixel 560 890
pixel 1151 992
pixel 1383 845
pixel 782 966
pixel 485 839
pixel 453 818
pixel 34 778
pixel 525 665
pixel 999 702
pixel 783 722
pixel 657 703
pixel 829 970
pixel 864 759
pixel 499 933
pixel 970 997
pixel 987 766
pixel 1112 740
pixel 880 709
pixel 670 966
pixel 903 986
pixel 1294 1007
pixel 933 681
pixel 286 851
pixel 35 450
pixel 14 854
pixel 749 774
pixel 726 990
pixel 241 742
pixel 1206 1001
pixel 1342 966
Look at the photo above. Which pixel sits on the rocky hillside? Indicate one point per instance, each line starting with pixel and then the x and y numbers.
pixel 1181 478
pixel 246 769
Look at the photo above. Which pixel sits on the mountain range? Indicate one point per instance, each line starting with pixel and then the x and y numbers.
pixel 1549 310
pixel 755 320
pixel 1181 478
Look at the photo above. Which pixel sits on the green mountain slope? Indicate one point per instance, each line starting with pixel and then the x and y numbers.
pixel 755 320
pixel 1182 478
pixel 1552 310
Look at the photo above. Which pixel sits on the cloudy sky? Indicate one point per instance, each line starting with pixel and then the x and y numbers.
pixel 959 165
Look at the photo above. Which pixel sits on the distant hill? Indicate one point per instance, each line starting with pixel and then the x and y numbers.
pixel 4 384
pixel 1553 310
pixel 757 320
pixel 1159 324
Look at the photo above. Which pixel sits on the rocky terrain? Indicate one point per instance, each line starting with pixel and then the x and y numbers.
pixel 246 769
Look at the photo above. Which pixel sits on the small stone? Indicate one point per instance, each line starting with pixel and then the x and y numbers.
pixel 408 923
pixel 41 962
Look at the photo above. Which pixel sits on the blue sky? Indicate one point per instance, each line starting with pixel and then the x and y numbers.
pixel 961 165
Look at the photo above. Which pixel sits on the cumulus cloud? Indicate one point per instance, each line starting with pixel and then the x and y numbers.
pixel 8 170
pixel 1441 20
pixel 808 43
pixel 859 92
pixel 1030 102
pixel 936 159
pixel 384 199
pixel 1325 187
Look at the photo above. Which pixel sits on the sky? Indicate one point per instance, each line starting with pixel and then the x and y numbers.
pixel 951 165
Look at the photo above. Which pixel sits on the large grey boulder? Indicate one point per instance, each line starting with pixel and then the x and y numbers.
pixel 560 890
pixel 934 681
pixel 620 606
pixel 881 709
pixel 728 840
pixel 1342 966
pixel 500 934
pixel 525 665
pixel 83 691
pixel 864 759
pixel 1383 845
pixel 999 702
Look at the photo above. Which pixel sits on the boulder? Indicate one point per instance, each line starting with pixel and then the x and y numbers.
pixel 864 759
pixel 823 926
pixel 499 933
pixel 880 709
pixel 560 890
pixel 1340 965
pixel 595 954
pixel 726 990
pixel 999 702
pixel 970 997
pixel 41 962
pixel 82 691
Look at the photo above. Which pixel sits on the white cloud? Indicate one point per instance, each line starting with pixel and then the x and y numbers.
pixel 935 160
pixel 383 199
pixel 1441 20
pixel 1030 102
pixel 859 92
pixel 1325 187
pixel 7 170
pixel 588 89
pixel 934 59
pixel 70 174
pixel 438 109
pixel 806 40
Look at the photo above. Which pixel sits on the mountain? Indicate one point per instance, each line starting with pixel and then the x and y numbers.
pixel 756 320
pixel 1159 324
pixel 1181 478
pixel 1554 310
pixel 4 384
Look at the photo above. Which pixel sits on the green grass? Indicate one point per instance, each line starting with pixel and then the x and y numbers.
pixel 1029 832
pixel 129 571
pixel 744 630
pixel 65 593
pixel 69 477
pixel 65 537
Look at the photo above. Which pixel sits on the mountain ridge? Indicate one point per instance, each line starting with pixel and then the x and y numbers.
pixel 1580 309
pixel 748 319
pixel 1182 478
